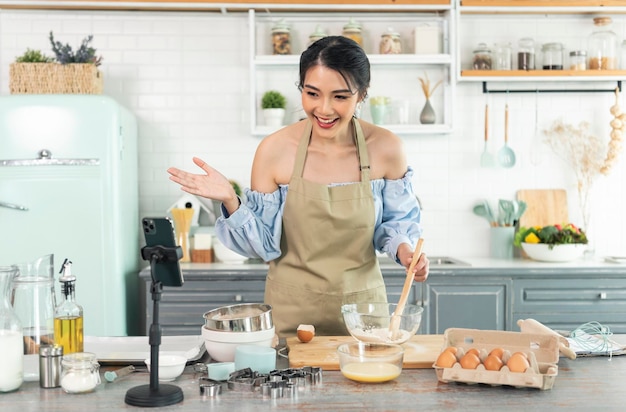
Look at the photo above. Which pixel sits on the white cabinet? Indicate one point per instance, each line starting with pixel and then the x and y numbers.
pixel 394 76
pixel 497 21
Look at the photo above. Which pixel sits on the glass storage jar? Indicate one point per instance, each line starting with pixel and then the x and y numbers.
pixel 622 57
pixel 526 54
pixel 390 42
pixel 319 33
pixel 602 47
pixel 502 56
pixel 281 38
pixel 482 57
pixel 552 56
pixel 81 372
pixel 578 60
pixel 352 30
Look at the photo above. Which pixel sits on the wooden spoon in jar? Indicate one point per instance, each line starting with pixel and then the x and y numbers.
pixel 394 325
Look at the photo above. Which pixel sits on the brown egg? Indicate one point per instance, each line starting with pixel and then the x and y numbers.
pixel 305 333
pixel 446 359
pixel 474 351
pixel 497 352
pixel 469 361
pixel 493 363
pixel 451 349
pixel 518 362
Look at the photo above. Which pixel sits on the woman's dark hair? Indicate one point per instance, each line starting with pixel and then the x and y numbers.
pixel 341 54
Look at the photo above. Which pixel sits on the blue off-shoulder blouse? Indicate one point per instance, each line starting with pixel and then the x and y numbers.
pixel 254 230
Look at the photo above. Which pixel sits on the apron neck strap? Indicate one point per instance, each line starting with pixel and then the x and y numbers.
pixel 361 148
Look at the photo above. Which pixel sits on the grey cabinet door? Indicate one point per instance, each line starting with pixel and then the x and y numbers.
pixel 467 303
pixel 567 302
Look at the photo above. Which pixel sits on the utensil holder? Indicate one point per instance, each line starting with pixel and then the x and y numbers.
pixel 501 242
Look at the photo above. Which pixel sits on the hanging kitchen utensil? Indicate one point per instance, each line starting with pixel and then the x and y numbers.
pixel 486 158
pixel 506 155
pixel 536 157
pixel 394 324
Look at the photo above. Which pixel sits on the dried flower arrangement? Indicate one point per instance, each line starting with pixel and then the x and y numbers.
pixel 587 155
pixel 85 54
pixel 425 82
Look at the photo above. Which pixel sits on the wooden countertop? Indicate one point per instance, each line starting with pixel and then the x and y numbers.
pixel 581 384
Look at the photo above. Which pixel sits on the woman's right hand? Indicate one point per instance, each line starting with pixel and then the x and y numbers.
pixel 212 184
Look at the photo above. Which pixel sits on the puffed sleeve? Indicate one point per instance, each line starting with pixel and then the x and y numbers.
pixel 400 219
pixel 254 230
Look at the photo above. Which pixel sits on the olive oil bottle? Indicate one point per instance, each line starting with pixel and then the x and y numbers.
pixel 68 316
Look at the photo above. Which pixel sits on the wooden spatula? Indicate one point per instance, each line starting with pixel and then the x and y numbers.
pixel 394 325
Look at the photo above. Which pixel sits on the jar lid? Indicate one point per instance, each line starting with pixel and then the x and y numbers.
pixel 318 33
pixel 280 27
pixel 552 46
pixel 50 350
pixel 577 53
pixel 482 48
pixel 602 21
pixel 390 32
pixel 352 25
pixel 79 359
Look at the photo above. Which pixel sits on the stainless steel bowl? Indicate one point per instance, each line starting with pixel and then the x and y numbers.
pixel 245 317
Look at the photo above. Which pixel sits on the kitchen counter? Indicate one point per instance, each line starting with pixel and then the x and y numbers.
pixel 478 293
pixel 582 384
pixel 467 265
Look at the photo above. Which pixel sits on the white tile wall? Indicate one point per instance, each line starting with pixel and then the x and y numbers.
pixel 185 76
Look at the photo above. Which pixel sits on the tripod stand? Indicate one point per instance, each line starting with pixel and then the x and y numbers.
pixel 154 394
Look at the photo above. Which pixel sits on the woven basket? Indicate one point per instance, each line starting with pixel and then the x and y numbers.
pixel 55 78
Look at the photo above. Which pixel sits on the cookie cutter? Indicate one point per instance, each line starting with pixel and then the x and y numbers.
pixel 245 380
pixel 209 387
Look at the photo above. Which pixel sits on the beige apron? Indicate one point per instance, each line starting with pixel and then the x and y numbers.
pixel 328 255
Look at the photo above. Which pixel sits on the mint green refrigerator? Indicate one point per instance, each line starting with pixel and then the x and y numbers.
pixel 68 187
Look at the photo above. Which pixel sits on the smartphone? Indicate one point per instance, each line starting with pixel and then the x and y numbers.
pixel 159 231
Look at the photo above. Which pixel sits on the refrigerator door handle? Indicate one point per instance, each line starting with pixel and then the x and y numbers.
pixel 50 162
pixel 13 206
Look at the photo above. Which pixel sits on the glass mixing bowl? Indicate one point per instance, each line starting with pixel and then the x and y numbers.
pixel 370 322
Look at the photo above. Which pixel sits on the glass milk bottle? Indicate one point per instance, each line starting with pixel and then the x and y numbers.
pixel 11 336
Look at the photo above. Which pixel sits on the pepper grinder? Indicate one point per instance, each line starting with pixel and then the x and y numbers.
pixel 50 366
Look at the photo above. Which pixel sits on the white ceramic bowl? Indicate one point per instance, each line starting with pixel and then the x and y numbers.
pixel 559 253
pixel 170 366
pixel 221 345
pixel 225 255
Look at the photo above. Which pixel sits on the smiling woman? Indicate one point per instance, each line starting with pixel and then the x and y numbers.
pixel 318 190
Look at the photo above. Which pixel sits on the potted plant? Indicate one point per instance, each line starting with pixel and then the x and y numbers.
pixel 552 243
pixel 273 104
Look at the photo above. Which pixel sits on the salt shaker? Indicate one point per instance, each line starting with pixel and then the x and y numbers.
pixel 50 366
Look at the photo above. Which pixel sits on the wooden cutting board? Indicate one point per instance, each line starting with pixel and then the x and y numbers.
pixel 420 352
pixel 545 207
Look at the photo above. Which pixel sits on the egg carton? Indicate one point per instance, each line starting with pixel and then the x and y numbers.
pixel 542 351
